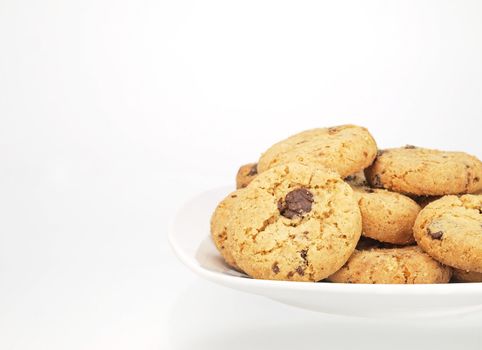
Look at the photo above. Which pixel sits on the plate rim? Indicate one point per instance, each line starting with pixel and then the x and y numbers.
pixel 460 289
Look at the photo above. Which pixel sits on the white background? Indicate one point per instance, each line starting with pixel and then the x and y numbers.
pixel 112 113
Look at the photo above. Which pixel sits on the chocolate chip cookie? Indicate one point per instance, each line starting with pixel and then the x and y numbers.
pixel 386 216
pixel 295 223
pixel 450 230
pixel 407 265
pixel 425 172
pixel 246 174
pixel 345 149
pixel 467 276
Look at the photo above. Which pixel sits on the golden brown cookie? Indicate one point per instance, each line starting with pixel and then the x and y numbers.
pixel 345 149
pixel 407 265
pixel 387 216
pixel 467 276
pixel 450 230
pixel 296 223
pixel 425 172
pixel 246 174
pixel 219 226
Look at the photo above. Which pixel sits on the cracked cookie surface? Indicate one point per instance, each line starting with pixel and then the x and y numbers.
pixel 450 230
pixel 386 216
pixel 345 149
pixel 406 265
pixel 294 222
pixel 246 174
pixel 425 172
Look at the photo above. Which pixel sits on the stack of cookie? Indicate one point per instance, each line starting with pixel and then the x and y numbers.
pixel 326 204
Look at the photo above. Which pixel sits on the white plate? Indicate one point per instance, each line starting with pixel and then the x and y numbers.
pixel 189 236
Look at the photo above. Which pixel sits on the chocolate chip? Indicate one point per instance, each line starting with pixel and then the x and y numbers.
pixel 300 271
pixel 254 170
pixel 435 235
pixel 296 203
pixel 290 274
pixel 304 254
pixel 476 179
pixel 275 268
pixel 410 147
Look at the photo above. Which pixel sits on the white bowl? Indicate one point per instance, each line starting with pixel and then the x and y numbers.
pixel 190 238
